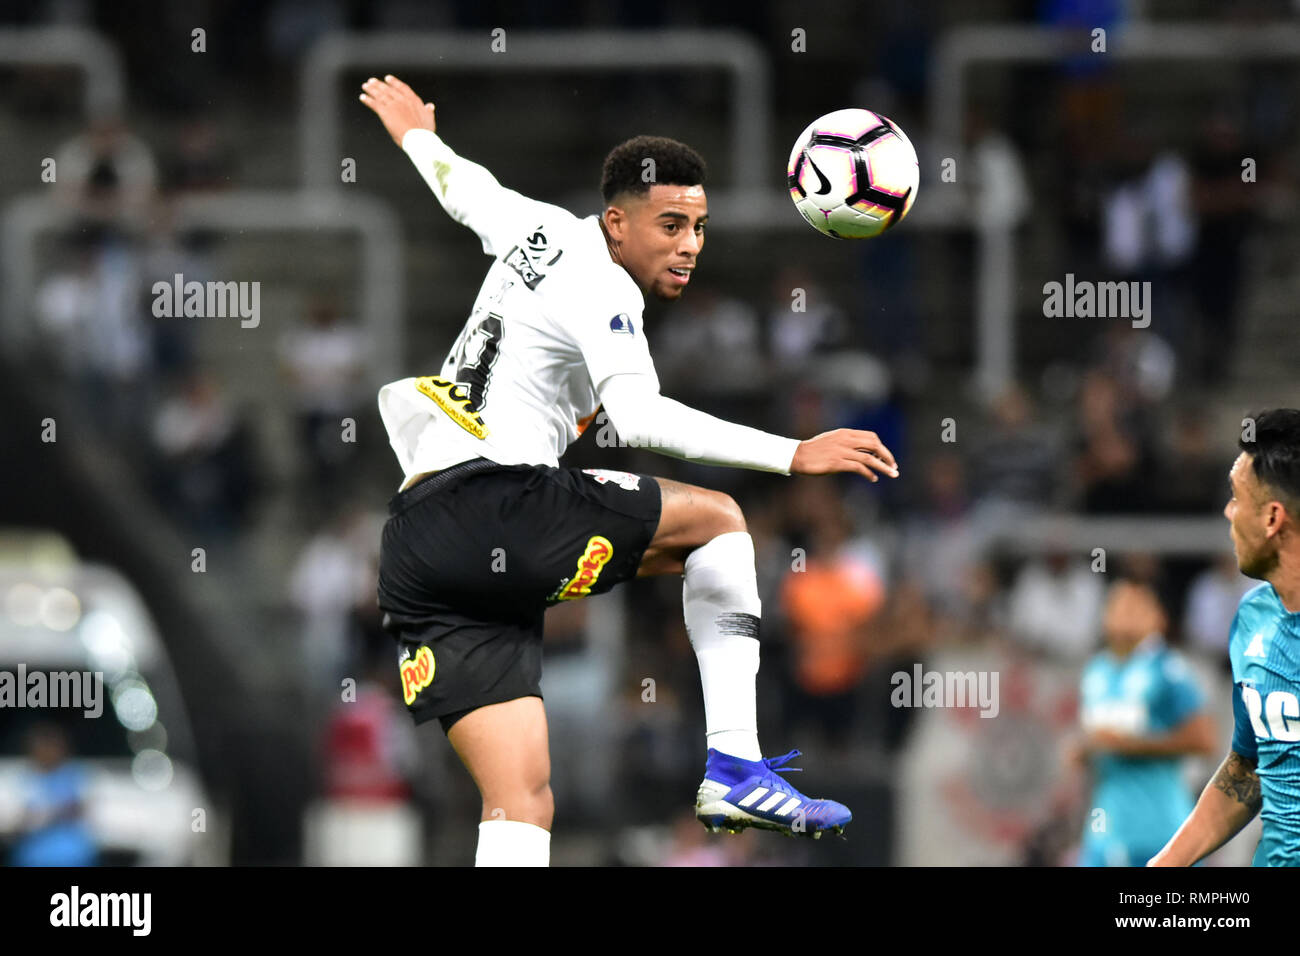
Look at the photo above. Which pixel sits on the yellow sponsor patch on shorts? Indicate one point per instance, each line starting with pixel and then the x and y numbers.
pixel 417 674
pixel 596 556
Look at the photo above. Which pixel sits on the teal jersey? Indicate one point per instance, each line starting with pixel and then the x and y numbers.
pixel 1265 651
pixel 1137 802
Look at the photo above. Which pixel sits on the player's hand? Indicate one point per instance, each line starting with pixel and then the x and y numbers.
pixel 844 449
pixel 398 106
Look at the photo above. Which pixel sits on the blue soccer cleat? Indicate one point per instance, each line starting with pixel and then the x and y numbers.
pixel 750 793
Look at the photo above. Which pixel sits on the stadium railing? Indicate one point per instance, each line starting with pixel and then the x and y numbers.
pixel 105 87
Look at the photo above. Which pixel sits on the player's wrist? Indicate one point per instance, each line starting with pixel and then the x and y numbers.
pixel 787 450
pixel 420 138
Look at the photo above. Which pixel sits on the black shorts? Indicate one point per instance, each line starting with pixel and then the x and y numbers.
pixel 471 558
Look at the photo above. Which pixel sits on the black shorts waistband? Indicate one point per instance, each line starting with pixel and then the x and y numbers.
pixel 440 479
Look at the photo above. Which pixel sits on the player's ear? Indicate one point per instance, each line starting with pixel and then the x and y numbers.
pixel 1276 513
pixel 616 222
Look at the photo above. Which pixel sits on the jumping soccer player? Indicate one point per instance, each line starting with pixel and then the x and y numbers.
pixel 1262 770
pixel 1142 712
pixel 487 530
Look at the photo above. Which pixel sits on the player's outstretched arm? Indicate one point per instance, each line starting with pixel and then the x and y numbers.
pixel 646 419
pixel 1195 736
pixel 1230 801
pixel 469 193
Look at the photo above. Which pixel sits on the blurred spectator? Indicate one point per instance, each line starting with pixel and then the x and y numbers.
pixel 332 577
pixel 365 816
pixel 1054 606
pixel 200 162
pixel 204 469
pixel 659 753
pixel 1148 233
pixel 1147 215
pixel 107 173
pixel 1141 711
pixel 829 605
pixel 1212 603
pixel 820 326
pixel 370 746
pixel 1015 459
pixel 324 360
pixel 1086 110
pixel 579 678
pixel 1140 362
pixel 940 545
pixel 53 827
pixel 865 395
pixel 92 314
pixel 170 253
pixel 1225 206
pixel 906 629
pixel 1191 479
pixel 1114 462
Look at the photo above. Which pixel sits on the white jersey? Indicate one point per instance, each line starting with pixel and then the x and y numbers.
pixel 555 320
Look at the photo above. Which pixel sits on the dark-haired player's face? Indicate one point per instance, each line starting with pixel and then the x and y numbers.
pixel 1131 614
pixel 659 236
pixel 1249 516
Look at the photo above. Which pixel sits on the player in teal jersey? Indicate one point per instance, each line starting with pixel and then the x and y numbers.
pixel 1262 770
pixel 1142 713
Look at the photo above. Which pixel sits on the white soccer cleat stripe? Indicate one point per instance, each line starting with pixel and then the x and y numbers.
pixel 789 805
pixel 753 795
pixel 771 801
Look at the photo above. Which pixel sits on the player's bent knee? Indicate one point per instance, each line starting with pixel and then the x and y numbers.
pixel 518 795
pixel 717 516
pixel 730 517
pixel 527 804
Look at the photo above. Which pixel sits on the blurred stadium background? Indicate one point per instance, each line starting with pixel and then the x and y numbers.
pixel 1025 442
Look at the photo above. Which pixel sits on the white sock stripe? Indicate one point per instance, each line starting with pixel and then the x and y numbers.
pixel 771 801
pixel 753 795
pixel 789 805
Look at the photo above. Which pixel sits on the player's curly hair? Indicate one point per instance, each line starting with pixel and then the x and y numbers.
pixel 626 170
pixel 1275 452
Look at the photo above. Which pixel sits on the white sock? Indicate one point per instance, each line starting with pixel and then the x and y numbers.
pixel 512 843
pixel 721 605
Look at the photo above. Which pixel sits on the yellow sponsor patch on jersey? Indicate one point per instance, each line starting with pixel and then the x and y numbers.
pixel 455 401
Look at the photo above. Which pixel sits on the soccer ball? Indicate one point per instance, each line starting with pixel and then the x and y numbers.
pixel 853 174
